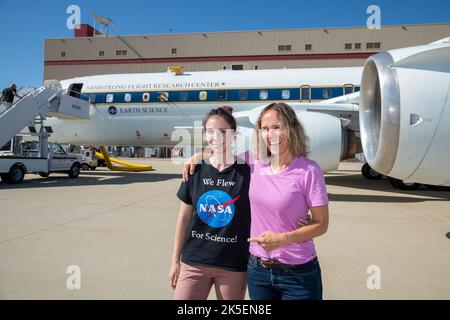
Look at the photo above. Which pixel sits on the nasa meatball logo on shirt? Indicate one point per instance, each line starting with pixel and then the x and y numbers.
pixel 216 208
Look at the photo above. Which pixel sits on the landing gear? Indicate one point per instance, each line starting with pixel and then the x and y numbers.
pixel 369 173
pixel 403 185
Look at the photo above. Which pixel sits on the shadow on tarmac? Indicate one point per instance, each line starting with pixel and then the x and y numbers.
pixel 355 180
pixel 91 178
pixel 348 179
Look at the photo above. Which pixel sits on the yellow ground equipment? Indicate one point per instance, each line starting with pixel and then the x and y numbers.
pixel 122 165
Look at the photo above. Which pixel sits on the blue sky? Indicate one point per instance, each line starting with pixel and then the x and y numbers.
pixel 25 24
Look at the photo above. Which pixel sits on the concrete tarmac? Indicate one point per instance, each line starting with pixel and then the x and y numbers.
pixel 118 227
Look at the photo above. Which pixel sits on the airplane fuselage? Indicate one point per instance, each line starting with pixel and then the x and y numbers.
pixel 144 109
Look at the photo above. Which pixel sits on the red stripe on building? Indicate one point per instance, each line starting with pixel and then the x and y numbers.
pixel 319 56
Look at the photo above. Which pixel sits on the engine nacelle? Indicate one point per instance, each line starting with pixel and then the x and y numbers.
pixel 405 113
pixel 328 141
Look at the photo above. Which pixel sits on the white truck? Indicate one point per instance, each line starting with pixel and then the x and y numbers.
pixel 31 160
pixel 31 112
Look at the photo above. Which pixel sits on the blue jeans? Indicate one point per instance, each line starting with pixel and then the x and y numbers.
pixel 291 282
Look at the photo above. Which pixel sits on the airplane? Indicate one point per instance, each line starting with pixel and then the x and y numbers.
pixel 396 108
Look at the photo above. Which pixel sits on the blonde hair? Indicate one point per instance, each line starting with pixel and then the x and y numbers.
pixel 297 140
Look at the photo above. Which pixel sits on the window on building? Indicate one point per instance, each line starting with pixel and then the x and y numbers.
pixel 358 45
pixel 263 94
pixel 369 45
pixel 237 67
pixel 109 98
pixel 174 50
pixel 101 53
pixel 63 54
pixel 285 47
pixel 221 95
pixel 308 47
pixel 256 67
pixel 224 67
pixel 285 94
pixel 121 52
pixel 127 97
pixel 348 46
pixel 243 94
pixel 377 45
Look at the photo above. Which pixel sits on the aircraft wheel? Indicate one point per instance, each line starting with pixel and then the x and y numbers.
pixel 369 173
pixel 399 184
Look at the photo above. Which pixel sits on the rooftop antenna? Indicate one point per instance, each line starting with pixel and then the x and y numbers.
pixel 105 23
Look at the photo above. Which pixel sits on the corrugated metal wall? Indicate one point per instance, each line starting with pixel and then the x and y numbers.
pixel 198 46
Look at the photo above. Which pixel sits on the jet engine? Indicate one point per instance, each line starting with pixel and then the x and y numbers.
pixel 405 113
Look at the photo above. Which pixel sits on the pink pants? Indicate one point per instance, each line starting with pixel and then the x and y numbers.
pixel 195 282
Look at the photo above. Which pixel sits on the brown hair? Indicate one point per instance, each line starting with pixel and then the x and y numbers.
pixel 297 140
pixel 223 112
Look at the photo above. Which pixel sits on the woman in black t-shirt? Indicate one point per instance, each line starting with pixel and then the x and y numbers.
pixel 214 220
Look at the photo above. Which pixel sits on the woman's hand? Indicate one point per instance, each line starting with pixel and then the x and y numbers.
pixel 304 222
pixel 174 272
pixel 270 240
pixel 189 165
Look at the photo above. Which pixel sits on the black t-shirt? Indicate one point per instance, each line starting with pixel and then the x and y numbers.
pixel 221 220
pixel 8 94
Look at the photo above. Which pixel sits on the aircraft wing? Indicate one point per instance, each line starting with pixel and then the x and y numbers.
pixel 345 108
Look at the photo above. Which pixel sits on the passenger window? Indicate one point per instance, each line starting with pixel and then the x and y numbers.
pixel 305 93
pixel 109 97
pixel 146 97
pixel 285 94
pixel 57 149
pixel 203 95
pixel 164 96
pixel 349 88
pixel 326 93
pixel 263 94
pixel 127 97
pixel 243 94
pixel 222 95
pixel 184 95
pixel 92 98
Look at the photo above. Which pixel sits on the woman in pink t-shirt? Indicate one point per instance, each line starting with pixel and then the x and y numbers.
pixel 285 185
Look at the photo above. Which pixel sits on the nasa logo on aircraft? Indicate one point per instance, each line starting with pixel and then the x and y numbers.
pixel 112 110
pixel 216 208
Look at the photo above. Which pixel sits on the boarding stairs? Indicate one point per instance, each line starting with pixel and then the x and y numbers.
pixel 35 106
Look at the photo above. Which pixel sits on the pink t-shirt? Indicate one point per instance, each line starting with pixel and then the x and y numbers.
pixel 279 200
